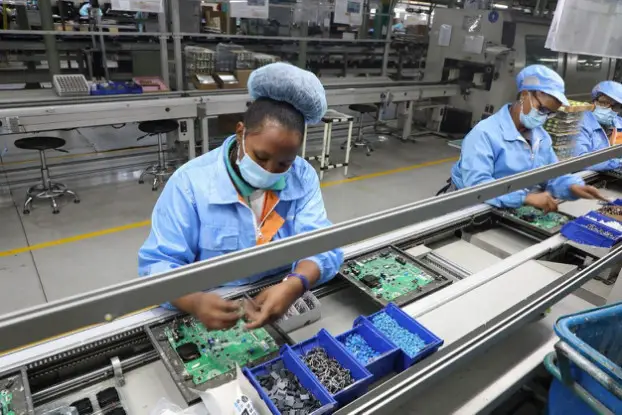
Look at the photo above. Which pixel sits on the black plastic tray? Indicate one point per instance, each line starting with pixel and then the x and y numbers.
pixel 504 213
pixel 22 399
pixel 441 280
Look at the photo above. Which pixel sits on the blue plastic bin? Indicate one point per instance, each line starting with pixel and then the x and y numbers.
pixel 118 88
pixel 362 377
pixel 304 375
pixel 596 216
pixel 385 363
pixel 432 341
pixel 597 335
pixel 576 231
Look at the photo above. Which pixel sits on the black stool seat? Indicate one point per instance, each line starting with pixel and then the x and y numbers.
pixel 363 108
pixel 158 126
pixel 39 143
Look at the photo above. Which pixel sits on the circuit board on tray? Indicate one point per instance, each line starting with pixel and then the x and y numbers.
pixel 550 222
pixel 390 275
pixel 200 359
pixel 14 394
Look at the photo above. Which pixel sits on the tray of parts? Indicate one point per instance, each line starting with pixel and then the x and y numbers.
pixel 590 232
pixel 414 341
pixel 201 359
pixel 391 275
pixel 287 386
pixel 534 219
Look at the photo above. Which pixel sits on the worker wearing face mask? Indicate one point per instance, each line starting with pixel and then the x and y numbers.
pixel 250 191
pixel 602 127
pixel 513 141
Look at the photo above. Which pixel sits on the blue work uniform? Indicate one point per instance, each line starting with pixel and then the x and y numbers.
pixel 592 137
pixel 201 215
pixel 495 149
pixel 84 10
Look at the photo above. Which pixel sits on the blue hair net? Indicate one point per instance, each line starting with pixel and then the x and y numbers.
pixel 288 83
pixel 610 88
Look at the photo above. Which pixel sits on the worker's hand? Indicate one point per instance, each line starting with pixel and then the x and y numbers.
pixel 542 200
pixel 587 192
pixel 273 302
pixel 214 312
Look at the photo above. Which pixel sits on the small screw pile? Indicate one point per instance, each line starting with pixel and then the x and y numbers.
pixel 286 392
pixel 611 210
pixel 409 342
pixel 600 231
pixel 364 353
pixel 331 374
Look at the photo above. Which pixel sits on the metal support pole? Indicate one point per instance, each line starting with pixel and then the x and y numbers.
pixel 179 73
pixel 163 49
pixel 387 45
pixel 47 23
pixel 302 46
pixel 102 43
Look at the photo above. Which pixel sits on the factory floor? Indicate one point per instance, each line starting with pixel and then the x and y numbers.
pixel 45 257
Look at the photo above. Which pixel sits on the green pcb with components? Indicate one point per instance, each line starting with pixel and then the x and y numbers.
pixel 388 274
pixel 538 218
pixel 208 354
pixel 6 402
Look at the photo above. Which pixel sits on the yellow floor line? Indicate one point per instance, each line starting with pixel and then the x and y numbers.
pixel 144 223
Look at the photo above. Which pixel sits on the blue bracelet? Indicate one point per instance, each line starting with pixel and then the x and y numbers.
pixel 302 278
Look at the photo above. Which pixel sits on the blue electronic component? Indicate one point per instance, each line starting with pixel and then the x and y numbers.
pixel 364 353
pixel 409 342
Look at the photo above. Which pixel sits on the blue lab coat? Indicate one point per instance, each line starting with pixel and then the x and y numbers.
pixel 199 216
pixel 592 137
pixel 495 149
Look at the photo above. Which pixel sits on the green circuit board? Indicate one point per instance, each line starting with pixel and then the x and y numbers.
pixel 6 402
pixel 388 275
pixel 538 218
pixel 208 354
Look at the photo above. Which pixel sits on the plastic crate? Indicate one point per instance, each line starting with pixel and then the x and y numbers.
pixel 362 377
pixel 576 231
pixel 116 88
pixel 304 375
pixel 432 341
pixel 596 216
pixel 596 335
pixel 385 363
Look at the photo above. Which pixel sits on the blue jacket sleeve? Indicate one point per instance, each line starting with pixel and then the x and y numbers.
pixel 477 164
pixel 584 145
pixel 174 237
pixel 559 187
pixel 311 215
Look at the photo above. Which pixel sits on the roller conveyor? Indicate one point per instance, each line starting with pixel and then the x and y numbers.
pixel 492 285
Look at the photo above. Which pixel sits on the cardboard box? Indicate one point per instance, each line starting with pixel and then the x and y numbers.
pixel 227 80
pixel 242 75
pixel 204 82
pixel 216 20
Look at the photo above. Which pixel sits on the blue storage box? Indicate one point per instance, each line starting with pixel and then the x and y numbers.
pixel 116 88
pixel 596 216
pixel 362 377
pixel 577 231
pixel 304 375
pixel 432 342
pixel 385 363
pixel 596 335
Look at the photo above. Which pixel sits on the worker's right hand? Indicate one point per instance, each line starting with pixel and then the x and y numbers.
pixel 542 200
pixel 214 312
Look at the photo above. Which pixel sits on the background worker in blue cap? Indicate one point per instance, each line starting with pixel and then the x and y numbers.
pixel 250 191
pixel 513 141
pixel 601 127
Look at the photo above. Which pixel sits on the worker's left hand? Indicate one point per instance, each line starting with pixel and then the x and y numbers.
pixel 587 192
pixel 272 303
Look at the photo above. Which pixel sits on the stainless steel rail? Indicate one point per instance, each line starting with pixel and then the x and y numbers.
pixel 43 321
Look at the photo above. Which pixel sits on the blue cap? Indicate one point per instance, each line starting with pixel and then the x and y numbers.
pixel 284 82
pixel 541 78
pixel 610 88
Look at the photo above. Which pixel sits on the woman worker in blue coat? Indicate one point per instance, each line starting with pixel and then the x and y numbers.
pixel 250 191
pixel 513 141
pixel 600 127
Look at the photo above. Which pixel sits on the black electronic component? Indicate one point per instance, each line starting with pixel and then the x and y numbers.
pixel 188 352
pixel 371 281
pixel 108 397
pixel 83 406
pixel 116 411
pixel 400 260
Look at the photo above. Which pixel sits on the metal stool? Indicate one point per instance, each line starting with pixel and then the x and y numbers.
pixel 362 109
pixel 161 170
pixel 47 189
